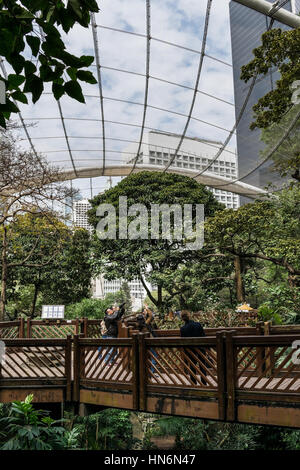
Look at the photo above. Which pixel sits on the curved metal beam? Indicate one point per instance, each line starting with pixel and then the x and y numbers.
pixel 267 8
pixel 208 179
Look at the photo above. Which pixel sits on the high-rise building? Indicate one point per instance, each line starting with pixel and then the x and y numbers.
pixel 80 218
pixel 247 27
pixel 158 149
pixel 102 287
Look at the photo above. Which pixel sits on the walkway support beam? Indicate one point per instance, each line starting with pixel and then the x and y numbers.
pixel 282 15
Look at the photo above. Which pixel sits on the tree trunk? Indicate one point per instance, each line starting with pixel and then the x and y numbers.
pixel 35 295
pixel 239 283
pixel 159 300
pixel 4 275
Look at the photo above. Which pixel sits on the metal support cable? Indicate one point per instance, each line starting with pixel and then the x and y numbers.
pixel 233 130
pixel 167 81
pixel 61 117
pixel 271 153
pixel 148 26
pixel 169 43
pixel 97 58
pixel 116 139
pixel 239 118
pixel 203 47
pixel 248 139
pixel 66 135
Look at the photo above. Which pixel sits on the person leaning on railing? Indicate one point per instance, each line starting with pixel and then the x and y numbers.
pixel 145 324
pixel 111 317
pixel 193 329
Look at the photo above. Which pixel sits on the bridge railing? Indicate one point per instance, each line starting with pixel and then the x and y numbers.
pixel 37 363
pixel 106 365
pixel 227 377
pixel 261 369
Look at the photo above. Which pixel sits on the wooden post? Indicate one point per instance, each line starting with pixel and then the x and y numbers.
pixel 269 352
pixel 84 327
pixel 230 376
pixel 28 327
pixel 221 374
pixel 77 326
pixel 76 369
pixel 21 328
pixel 260 355
pixel 142 372
pixel 68 367
pixel 135 372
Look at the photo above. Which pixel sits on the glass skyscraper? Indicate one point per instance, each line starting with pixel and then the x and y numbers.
pixel 247 26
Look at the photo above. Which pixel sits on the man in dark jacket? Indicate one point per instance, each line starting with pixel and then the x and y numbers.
pixel 111 318
pixel 192 355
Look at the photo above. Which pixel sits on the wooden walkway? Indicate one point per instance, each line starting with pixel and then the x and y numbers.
pixel 227 375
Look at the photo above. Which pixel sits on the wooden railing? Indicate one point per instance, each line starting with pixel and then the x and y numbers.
pixel 55 329
pixel 37 364
pixel 227 376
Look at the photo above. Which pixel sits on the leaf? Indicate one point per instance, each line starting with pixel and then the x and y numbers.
pixel 35 86
pixel 72 72
pixel 86 76
pixel 6 42
pixel 14 81
pixel 9 106
pixel 34 44
pixel 73 89
pixel 19 96
pixel 58 90
pixel 29 68
pixel 2 120
pixel 46 73
pixel 75 5
pixel 17 61
pixel 86 60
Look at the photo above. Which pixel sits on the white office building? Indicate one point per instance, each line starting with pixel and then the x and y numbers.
pixel 80 218
pixel 158 149
pixel 101 287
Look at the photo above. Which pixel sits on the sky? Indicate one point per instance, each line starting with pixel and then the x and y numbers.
pixel 175 21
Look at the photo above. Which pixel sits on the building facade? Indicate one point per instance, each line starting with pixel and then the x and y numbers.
pixel 159 148
pixel 247 27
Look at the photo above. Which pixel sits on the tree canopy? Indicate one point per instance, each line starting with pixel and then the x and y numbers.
pixel 30 29
pixel 147 259
pixel 279 50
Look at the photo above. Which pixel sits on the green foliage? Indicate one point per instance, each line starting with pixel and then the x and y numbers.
pixel 263 230
pixel 90 308
pixel 25 428
pixel 283 301
pixel 286 159
pixel 110 429
pixel 48 263
pixel 149 259
pixel 126 296
pixel 196 434
pixel 279 49
pixel 32 27
pixel 267 313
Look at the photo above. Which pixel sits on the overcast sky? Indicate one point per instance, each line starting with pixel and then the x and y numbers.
pixel 176 21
